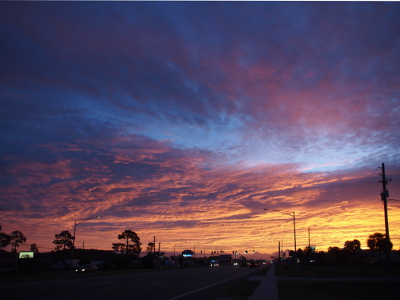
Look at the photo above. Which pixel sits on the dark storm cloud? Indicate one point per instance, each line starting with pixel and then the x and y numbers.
pixel 127 61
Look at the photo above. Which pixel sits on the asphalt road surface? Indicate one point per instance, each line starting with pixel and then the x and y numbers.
pixel 182 284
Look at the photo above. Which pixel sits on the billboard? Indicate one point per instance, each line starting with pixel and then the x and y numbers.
pixel 26 254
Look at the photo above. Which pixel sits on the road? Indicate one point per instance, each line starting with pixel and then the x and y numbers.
pixel 182 284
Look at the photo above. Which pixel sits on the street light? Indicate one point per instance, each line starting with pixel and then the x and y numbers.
pixel 177 244
pixel 73 240
pixel 293 215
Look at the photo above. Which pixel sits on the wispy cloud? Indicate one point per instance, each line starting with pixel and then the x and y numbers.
pixel 185 120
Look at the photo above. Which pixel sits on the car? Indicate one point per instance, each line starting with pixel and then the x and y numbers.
pixel 214 263
pixel 253 264
pixel 57 266
pixel 86 269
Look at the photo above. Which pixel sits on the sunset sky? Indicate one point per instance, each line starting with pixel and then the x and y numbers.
pixel 185 120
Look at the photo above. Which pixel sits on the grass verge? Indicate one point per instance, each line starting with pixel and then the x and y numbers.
pixel 343 290
pixel 290 290
pixel 337 271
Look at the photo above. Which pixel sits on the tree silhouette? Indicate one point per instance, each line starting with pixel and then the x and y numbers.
pixel 5 240
pixel 34 248
pixel 17 238
pixel 374 241
pixel 352 246
pixel 335 255
pixel 150 247
pixel 378 241
pixel 118 247
pixel 385 245
pixel 151 251
pixel 63 240
pixel 131 245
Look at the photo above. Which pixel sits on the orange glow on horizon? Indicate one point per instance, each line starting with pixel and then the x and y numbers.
pixel 232 219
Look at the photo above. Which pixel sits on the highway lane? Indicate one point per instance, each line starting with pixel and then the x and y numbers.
pixel 182 284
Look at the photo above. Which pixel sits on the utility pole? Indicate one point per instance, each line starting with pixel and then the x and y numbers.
pixel 309 246
pixel 0 218
pixel 293 215
pixel 279 250
pixel 384 196
pixel 295 245
pixel 154 246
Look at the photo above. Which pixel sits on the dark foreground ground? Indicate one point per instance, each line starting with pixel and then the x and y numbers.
pixel 186 283
pixel 341 282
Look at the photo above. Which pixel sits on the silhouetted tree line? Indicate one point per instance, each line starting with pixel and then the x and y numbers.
pixel 14 239
pixel 349 254
pixel 125 254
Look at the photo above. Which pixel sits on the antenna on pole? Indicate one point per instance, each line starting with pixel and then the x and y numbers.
pixel 384 197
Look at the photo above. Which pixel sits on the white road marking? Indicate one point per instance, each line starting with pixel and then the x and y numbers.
pixel 206 287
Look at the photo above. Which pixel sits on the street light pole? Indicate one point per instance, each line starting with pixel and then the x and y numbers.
pixel 177 244
pixel 293 215
pixel 73 239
